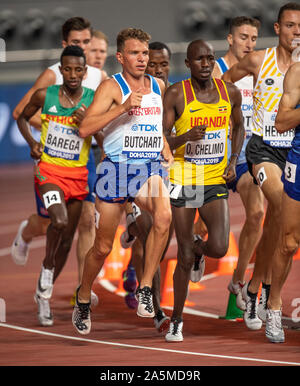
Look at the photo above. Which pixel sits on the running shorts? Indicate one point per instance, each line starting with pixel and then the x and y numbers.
pixel 119 182
pixel 195 196
pixel 72 181
pixel 240 170
pixel 291 175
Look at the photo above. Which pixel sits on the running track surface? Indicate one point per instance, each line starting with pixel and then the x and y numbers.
pixel 118 336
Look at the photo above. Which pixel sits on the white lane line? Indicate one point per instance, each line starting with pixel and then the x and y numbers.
pixel 29 330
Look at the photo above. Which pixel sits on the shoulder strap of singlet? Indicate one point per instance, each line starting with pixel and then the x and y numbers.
pixel 222 64
pixel 188 91
pixel 222 89
pixel 154 85
pixel 123 85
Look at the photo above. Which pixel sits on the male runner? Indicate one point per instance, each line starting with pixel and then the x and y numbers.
pixel 98 52
pixel 75 31
pixel 61 173
pixel 200 108
pixel 128 109
pixel 267 150
pixel 139 222
pixel 242 37
pixel 288 117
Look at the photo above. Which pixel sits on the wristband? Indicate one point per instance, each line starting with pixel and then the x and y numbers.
pixel 234 155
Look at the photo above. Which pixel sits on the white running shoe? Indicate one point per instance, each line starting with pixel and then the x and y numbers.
pixel 198 268
pixel 45 283
pixel 175 332
pixel 274 330
pixel 262 306
pixel 81 317
pixel 126 239
pixel 94 299
pixel 44 313
pixel 236 289
pixel 19 248
pixel 145 302
pixel 250 315
pixel 161 321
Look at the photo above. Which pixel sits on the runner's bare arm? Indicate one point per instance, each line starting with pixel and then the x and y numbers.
pixel 288 117
pixel 35 104
pixel 238 131
pixel 173 108
pixel 249 65
pixel 106 107
pixel 47 78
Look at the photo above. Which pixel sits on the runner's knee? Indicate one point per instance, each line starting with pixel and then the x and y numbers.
pixel 59 223
pixel 162 220
pixel 290 244
pixel 216 248
pixel 254 219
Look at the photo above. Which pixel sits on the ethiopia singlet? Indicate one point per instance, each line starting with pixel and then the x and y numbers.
pixel 59 136
pixel 136 136
pixel 245 85
pixel 202 162
pixel 266 97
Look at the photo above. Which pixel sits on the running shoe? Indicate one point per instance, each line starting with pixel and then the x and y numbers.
pixel 145 302
pixel 81 317
pixel 262 305
pixel 126 239
pixel 274 330
pixel 94 299
pixel 45 316
pixel 131 301
pixel 236 289
pixel 250 315
pixel 161 321
pixel 199 265
pixel 129 279
pixel 19 248
pixel 45 283
pixel 175 331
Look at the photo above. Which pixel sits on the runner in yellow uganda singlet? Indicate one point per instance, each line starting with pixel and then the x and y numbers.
pixel 202 162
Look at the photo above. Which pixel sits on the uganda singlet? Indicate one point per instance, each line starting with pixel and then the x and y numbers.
pixel 59 135
pixel 266 96
pixel 202 162
pixel 136 136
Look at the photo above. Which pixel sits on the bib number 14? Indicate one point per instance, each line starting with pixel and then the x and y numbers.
pixel 50 198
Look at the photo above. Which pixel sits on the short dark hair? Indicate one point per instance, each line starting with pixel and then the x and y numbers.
pixel 287 7
pixel 131 33
pixel 73 51
pixel 75 24
pixel 159 46
pixel 242 20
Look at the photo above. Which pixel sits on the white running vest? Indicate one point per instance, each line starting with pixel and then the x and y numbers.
pixel 266 97
pixel 136 136
pixel 245 85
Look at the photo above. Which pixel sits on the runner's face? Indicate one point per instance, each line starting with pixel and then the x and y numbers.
pixel 242 40
pixel 288 29
pixel 79 38
pixel 72 70
pixel 97 55
pixel 159 64
pixel 134 56
pixel 201 62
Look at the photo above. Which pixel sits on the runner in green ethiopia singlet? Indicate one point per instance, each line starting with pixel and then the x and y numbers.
pixel 59 136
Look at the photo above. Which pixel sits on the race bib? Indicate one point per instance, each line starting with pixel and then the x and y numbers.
pixel 271 135
pixel 143 141
pixel 209 150
pixel 290 172
pixel 51 197
pixel 63 142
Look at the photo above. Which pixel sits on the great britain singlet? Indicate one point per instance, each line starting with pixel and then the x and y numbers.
pixel 136 136
pixel 59 135
pixel 266 97
pixel 245 85
pixel 202 162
